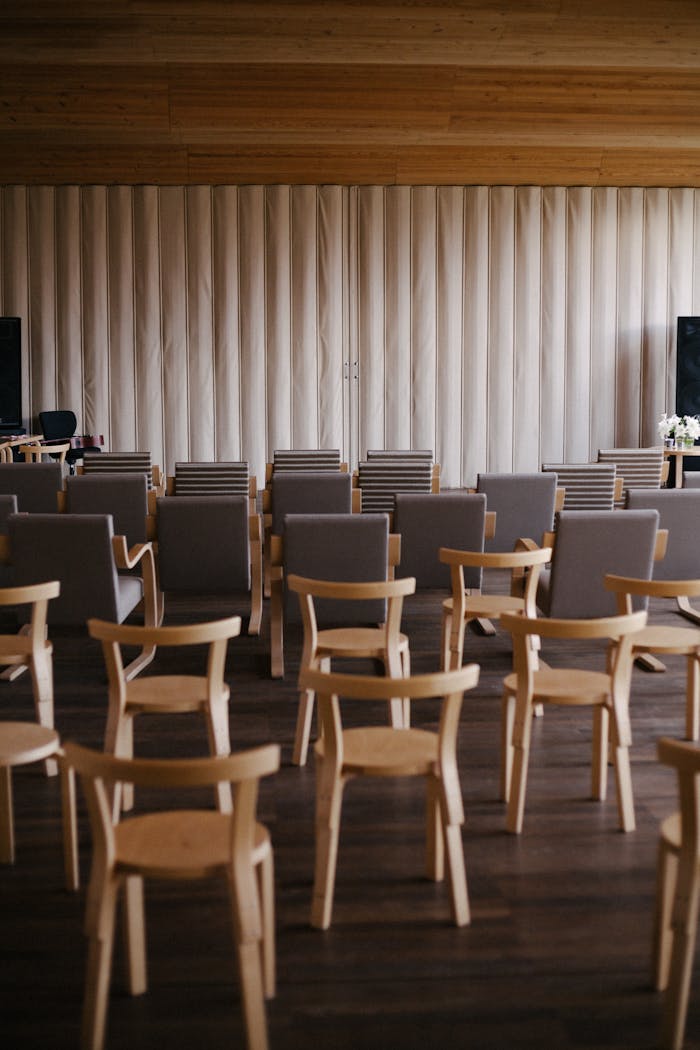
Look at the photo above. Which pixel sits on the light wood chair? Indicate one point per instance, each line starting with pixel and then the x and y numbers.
pixel 379 751
pixel 677 892
pixel 31 649
pixel 468 604
pixel 20 743
pixel 385 642
pixel 607 692
pixel 679 641
pixel 177 844
pixel 167 694
pixel 34 450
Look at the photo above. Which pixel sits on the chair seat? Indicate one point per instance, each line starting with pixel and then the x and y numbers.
pixel 356 641
pixel 381 751
pixel 488 605
pixel 574 687
pixel 180 843
pixel 680 640
pixel 15 648
pixel 24 742
pixel 169 694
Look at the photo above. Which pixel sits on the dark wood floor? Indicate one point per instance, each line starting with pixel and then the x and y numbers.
pixel 556 957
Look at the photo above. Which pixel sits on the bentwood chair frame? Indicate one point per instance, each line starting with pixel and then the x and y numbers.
pixel 167 694
pixel 677 892
pixel 467 605
pixel 607 692
pixel 177 844
pixel 380 751
pixel 385 643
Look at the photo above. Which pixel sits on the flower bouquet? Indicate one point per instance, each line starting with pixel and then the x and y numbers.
pixel 679 431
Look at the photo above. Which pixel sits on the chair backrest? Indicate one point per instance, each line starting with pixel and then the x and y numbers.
pixel 679 512
pixel 203 543
pixel 34 484
pixel 124 496
pixel 587 486
pixel 8 505
pixel 220 478
pixel 57 424
pixel 524 506
pixel 305 459
pixel 75 549
pixel 427 522
pixel 590 544
pixel 308 492
pixel 343 547
pixel 691 479
pixel 640 468
pixel 119 463
pixel 381 477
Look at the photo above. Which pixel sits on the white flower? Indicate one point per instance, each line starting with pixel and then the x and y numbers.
pixel 679 426
pixel 668 425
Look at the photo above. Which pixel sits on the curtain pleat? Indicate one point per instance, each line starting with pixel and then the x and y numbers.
pixel 502 327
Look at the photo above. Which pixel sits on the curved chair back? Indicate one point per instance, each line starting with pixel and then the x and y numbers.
pixel 524 506
pixel 57 424
pixel 124 496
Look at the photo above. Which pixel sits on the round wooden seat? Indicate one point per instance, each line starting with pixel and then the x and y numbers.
pixel 20 744
pixel 381 751
pixel 358 642
pixel 678 640
pixel 572 686
pixel 170 694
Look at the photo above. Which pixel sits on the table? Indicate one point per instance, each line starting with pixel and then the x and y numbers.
pixel 679 453
pixel 20 743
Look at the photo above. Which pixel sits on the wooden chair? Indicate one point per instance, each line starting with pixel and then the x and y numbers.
pixel 348 548
pixel 177 844
pixel 469 604
pixel 607 692
pixel 82 552
pixel 20 744
pixel 382 751
pixel 211 545
pixel 34 450
pixel 30 649
pixel 666 640
pixel 385 643
pixel 167 694
pixel 677 892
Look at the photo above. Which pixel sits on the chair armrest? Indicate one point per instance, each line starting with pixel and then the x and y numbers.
pixel 559 497
pixel 661 544
pixel 61 501
pixel 665 470
pixel 356 500
pixel 489 524
pixel 619 488
pixel 394 553
pixel 169 486
pixel 143 553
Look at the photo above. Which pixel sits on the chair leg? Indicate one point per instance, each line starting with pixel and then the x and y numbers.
pixel 623 779
pixel 457 874
pixel 666 875
pixel 522 732
pixel 252 995
pixel 507 723
pixel 42 682
pixel 119 741
pixel 328 807
pixel 7 828
pixel 434 839
pixel 99 966
pixel 135 935
pixel 599 757
pixel 266 889
pixel 692 698
pixel 685 921
pixel 70 828
pixel 303 729
pixel 686 609
pixel 220 744
pixel 445 640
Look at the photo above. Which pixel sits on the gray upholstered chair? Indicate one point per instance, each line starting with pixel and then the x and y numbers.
pixel 215 478
pixel 34 484
pixel 302 492
pixel 210 545
pixel 314 459
pixel 587 486
pixel 124 496
pixel 426 522
pixel 679 513
pixel 123 463
pixel 524 505
pixel 587 546
pixel 82 552
pixel 382 476
pixel 350 548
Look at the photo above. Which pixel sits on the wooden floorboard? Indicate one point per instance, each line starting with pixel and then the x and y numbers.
pixel 558 952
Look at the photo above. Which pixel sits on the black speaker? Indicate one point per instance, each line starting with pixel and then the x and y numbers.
pixel 688 367
pixel 10 374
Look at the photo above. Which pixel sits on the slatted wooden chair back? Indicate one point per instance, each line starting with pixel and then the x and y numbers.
pixel 122 463
pixel 587 486
pixel 639 468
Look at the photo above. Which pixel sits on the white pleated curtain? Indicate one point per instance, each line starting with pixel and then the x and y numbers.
pixel 499 326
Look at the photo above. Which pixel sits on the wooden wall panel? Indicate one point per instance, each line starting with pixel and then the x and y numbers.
pixel 121 417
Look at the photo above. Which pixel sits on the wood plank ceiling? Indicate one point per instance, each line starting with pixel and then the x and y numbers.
pixel 547 92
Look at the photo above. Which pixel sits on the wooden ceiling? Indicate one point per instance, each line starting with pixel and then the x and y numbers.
pixel 546 92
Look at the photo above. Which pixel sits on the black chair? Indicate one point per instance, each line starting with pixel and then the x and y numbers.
pixel 60 425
